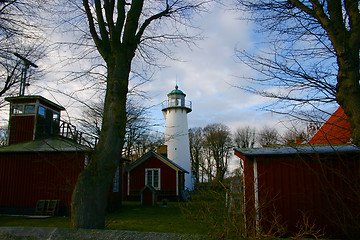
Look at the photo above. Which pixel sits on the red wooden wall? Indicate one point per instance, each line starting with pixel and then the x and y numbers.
pixel 324 189
pixel 26 178
pixel 137 176
pixel 21 128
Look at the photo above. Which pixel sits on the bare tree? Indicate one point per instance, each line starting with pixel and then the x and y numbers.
pixel 196 141
pixel 138 128
pixel 315 57
pixel 119 30
pixel 91 118
pixel 218 141
pixel 20 34
pixel 244 137
pixel 268 136
pixel 208 167
pixel 146 141
pixel 139 137
pixel 292 135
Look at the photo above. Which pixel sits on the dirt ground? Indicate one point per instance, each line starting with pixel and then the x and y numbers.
pixel 30 233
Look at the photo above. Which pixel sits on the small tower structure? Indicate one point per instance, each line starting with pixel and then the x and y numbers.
pixel 175 111
pixel 32 117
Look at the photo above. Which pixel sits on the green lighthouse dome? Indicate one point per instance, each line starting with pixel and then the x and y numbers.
pixel 176 91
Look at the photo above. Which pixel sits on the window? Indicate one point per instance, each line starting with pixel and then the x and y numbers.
pixel 116 182
pixel 18 109
pixel 29 109
pixel 152 177
pixel 41 111
pixel 56 116
pixel 47 122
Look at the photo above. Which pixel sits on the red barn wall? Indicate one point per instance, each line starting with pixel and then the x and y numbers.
pixel 167 176
pixel 292 187
pixel 26 178
pixel 21 129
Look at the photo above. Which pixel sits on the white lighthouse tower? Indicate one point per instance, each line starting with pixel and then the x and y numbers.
pixel 175 111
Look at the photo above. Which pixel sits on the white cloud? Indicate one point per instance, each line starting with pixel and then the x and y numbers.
pixel 205 74
pixel 208 72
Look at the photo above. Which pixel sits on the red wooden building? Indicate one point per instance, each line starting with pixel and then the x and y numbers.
pixel 154 169
pixel 284 184
pixel 42 159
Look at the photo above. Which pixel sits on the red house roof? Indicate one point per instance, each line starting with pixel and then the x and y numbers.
pixel 334 131
pixel 158 156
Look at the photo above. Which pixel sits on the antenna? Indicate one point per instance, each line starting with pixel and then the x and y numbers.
pixel 27 64
pixel 177 80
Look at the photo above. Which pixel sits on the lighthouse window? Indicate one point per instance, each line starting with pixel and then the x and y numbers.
pixel 152 177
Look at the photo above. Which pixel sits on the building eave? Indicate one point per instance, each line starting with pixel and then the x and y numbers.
pixel 34 97
pixel 54 144
pixel 298 149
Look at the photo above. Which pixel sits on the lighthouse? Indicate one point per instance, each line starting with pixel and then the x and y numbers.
pixel 175 111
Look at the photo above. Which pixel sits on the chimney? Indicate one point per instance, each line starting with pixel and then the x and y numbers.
pixel 298 139
pixel 162 149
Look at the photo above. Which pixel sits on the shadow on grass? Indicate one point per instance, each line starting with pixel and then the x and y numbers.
pixel 170 219
pixel 132 217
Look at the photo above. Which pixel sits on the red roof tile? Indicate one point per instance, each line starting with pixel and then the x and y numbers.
pixel 335 130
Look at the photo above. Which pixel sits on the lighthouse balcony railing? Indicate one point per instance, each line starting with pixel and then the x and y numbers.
pixel 179 103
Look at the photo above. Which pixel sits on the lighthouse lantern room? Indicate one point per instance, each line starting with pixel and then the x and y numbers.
pixel 175 111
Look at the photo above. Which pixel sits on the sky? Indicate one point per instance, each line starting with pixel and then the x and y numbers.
pixel 207 74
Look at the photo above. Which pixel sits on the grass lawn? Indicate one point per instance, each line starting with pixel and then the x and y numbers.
pixel 132 216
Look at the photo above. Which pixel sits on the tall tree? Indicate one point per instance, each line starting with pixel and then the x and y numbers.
pixel 218 141
pixel 244 137
pixel 196 141
pixel 118 29
pixel 321 39
pixel 268 136
pixel 20 33
pixel 145 142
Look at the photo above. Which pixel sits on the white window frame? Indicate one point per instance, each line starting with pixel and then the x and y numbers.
pixel 159 177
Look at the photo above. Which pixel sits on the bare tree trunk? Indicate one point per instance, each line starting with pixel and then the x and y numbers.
pixel 116 28
pixel 90 195
pixel 348 90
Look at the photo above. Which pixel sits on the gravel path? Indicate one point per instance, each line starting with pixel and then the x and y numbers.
pixel 65 233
